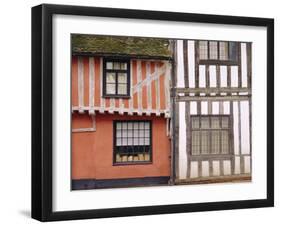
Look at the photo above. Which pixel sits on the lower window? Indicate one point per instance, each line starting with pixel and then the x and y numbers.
pixel 210 135
pixel 132 141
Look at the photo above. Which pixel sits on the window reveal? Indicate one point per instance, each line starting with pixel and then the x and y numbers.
pixel 132 141
pixel 210 135
pixel 116 79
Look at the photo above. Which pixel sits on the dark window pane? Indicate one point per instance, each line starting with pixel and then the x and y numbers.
pixel 233 51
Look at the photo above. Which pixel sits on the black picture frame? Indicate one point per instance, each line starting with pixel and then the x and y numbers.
pixel 42 111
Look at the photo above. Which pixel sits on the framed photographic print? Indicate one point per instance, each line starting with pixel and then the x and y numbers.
pixel 146 112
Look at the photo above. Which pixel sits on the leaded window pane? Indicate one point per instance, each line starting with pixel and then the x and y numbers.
pixel 110 77
pixel 233 51
pixel 195 137
pixel 122 89
pixel 195 122
pixel 224 142
pixel 122 78
pixel 205 124
pixel 203 50
pixel 215 122
pixel 132 141
pixel 215 142
pixel 213 48
pixel 205 142
pixel 110 88
pixel 223 51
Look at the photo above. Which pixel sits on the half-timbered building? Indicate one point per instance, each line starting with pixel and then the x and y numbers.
pixel 120 111
pixel 212 105
pixel 149 111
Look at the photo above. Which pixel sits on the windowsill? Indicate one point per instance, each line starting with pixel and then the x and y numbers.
pixel 132 163
pixel 116 96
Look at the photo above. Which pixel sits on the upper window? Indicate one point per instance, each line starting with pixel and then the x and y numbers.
pixel 210 135
pixel 116 78
pixel 132 143
pixel 218 51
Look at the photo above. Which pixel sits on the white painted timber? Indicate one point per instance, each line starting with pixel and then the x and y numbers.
pixel 213 76
pixel 235 127
pixel 180 69
pixel 244 65
pixel 245 127
pixel 215 108
pixel 223 76
pixel 191 64
pixel 193 108
pixel 247 164
pixel 216 168
pixel 234 76
pixel 204 107
pixel 205 169
pixel 202 76
pixel 182 141
pixel 226 167
pixel 237 165
pixel 226 107
pixel 193 169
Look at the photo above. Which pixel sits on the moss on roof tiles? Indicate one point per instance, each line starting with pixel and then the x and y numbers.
pixel 154 47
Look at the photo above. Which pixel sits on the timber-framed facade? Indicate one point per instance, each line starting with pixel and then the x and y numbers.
pixel 149 111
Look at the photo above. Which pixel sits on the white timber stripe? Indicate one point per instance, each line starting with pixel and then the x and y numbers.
pixel 226 167
pixel 193 108
pixel 204 107
pixel 223 76
pixel 101 87
pixel 244 65
pixel 149 99
pixel 235 128
pixel 131 92
pixel 193 169
pixel 216 168
pixel 182 141
pixel 191 64
pixel 237 165
pixel 80 83
pixel 180 70
pixel 234 76
pixel 91 84
pixel 226 107
pixel 213 76
pixel 202 76
pixel 139 75
pixel 205 169
pixel 157 88
pixel 247 164
pixel 167 85
pixel 215 108
pixel 245 127
pixel 112 105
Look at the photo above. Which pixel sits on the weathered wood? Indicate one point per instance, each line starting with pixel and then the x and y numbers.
pixel 185 63
pixel 212 98
pixel 196 64
pixel 91 82
pixel 216 179
pixel 239 65
pixel 211 157
pixel 80 84
pixel 188 138
pixel 213 90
